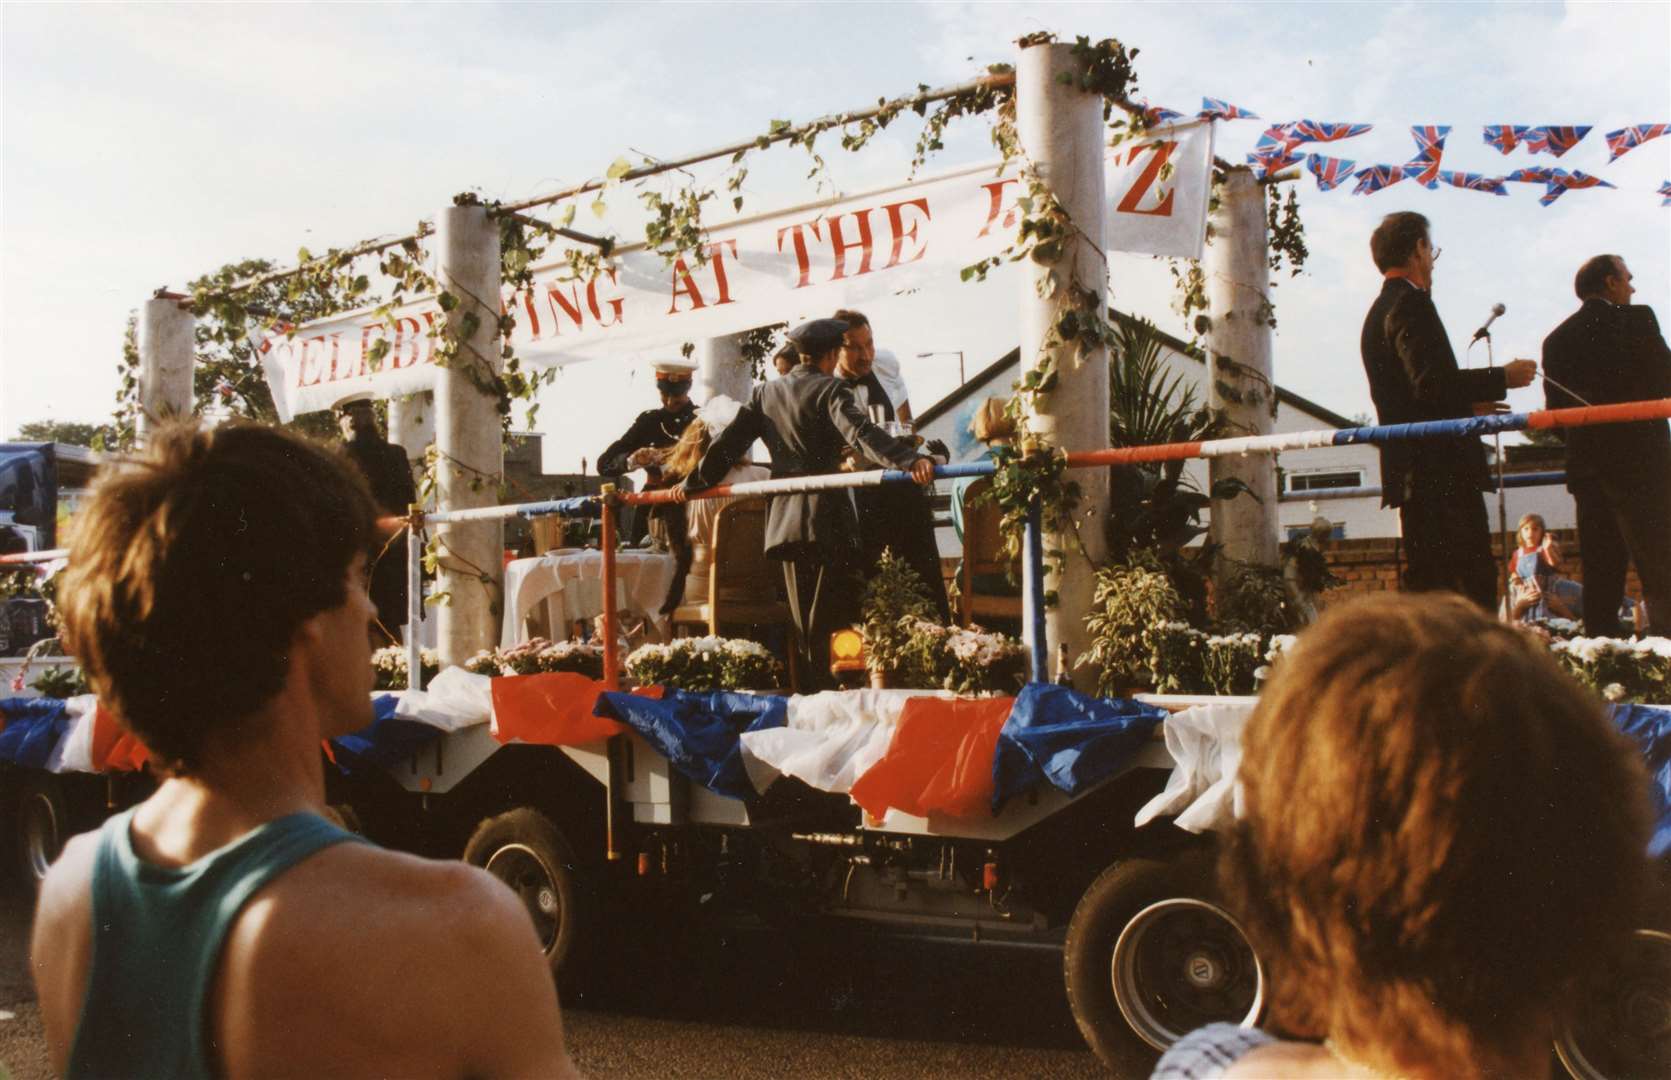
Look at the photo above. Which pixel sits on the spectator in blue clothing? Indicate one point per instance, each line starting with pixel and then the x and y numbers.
pixel 1444 838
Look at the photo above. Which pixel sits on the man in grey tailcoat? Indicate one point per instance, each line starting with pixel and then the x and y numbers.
pixel 807 418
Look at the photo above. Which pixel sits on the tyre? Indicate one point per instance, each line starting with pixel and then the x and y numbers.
pixel 523 849
pixel 1623 1026
pixel 1150 955
pixel 42 825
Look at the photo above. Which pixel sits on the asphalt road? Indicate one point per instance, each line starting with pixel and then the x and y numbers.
pixel 758 1006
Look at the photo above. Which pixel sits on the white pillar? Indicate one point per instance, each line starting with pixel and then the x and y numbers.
pixel 1061 130
pixel 467 435
pixel 167 351
pixel 1239 377
pixel 721 369
pixel 412 424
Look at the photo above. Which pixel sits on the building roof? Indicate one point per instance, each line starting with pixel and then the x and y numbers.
pixel 980 382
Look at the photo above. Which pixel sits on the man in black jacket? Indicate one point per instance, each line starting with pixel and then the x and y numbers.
pixel 1607 351
pixel 1435 483
pixel 653 431
pixel 894 517
pixel 807 418
pixel 389 475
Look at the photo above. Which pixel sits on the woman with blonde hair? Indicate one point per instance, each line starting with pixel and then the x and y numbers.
pixel 1444 838
pixel 690 526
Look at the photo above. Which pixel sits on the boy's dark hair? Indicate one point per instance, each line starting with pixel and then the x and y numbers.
pixel 1395 239
pixel 1592 277
pixel 192 567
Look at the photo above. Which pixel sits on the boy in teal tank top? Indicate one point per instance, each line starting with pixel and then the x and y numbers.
pixel 216 597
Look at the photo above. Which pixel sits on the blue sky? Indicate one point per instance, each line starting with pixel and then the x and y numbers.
pixel 143 145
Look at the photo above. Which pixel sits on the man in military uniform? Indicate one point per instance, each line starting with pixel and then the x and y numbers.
pixel 807 418
pixel 893 516
pixel 654 430
pixel 389 475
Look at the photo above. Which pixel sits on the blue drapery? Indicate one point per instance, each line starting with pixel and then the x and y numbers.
pixel 698 733
pixel 1068 738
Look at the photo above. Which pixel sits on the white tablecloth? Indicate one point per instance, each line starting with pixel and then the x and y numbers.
pixel 572 580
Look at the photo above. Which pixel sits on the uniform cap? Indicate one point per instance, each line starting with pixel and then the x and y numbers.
pixel 354 401
pixel 673 370
pixel 818 336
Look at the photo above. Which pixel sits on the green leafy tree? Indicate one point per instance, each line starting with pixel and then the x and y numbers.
pixel 66 431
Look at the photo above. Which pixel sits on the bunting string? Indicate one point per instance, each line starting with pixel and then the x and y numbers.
pixel 1286 145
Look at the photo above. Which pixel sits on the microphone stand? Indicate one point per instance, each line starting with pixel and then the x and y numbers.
pixel 1502 502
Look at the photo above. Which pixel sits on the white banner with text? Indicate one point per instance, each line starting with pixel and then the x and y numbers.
pixel 802 262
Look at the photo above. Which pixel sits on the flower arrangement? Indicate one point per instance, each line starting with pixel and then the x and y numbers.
pixel 538 656
pixel 61 682
pixel 1230 662
pixel 895 601
pixel 1617 669
pixel 976 660
pixel 389 664
pixel 705 663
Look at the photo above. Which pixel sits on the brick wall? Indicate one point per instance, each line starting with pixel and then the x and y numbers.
pixel 1374 565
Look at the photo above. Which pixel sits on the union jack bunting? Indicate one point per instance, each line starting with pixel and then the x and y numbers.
pixel 1627 139
pixel 1504 137
pixel 1430 147
pixel 1376 177
pixel 1315 131
pixel 1665 189
pixel 1330 172
pixel 1272 160
pixel 1552 140
pixel 1158 114
pixel 1214 109
pixel 1556 182
pixel 1274 151
pixel 1474 182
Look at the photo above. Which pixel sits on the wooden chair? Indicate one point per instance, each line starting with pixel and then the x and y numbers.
pixel 983 553
pixel 742 583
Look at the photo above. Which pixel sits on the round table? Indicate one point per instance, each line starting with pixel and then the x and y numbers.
pixel 570 582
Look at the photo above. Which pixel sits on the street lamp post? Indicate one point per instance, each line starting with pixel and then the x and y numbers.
pixel 947 352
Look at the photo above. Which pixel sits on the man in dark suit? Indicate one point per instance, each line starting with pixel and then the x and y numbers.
pixel 896 517
pixel 389 474
pixel 1607 351
pixel 653 431
pixel 807 418
pixel 1435 483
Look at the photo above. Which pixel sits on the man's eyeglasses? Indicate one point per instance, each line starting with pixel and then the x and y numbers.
pixel 1437 252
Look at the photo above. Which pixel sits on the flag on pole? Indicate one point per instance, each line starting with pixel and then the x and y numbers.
pixel 1330 172
pixel 1430 148
pixel 1626 139
pixel 1214 109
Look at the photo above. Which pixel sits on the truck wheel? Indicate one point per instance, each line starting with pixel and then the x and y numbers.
pixel 42 826
pixel 525 850
pixel 1150 956
pixel 1623 1026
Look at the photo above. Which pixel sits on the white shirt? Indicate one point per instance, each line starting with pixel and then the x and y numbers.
pixel 886 370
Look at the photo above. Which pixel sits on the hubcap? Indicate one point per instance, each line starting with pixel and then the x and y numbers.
pixel 535 884
pixel 1180 964
pixel 1623 1026
pixel 42 838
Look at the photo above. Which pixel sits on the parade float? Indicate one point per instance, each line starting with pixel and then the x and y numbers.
pixel 676 789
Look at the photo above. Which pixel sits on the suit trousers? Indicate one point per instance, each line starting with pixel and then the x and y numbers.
pixel 823 593
pixel 1620 520
pixel 1447 547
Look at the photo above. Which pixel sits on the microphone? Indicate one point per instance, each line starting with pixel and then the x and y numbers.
pixel 1485 331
